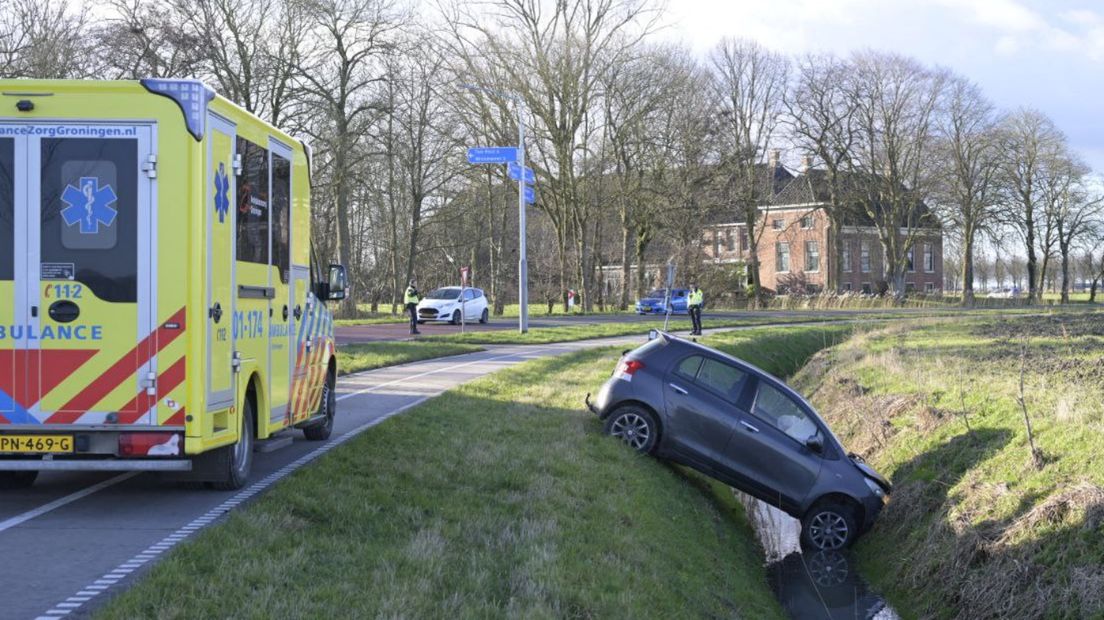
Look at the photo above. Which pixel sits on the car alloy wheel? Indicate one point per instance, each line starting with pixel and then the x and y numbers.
pixel 828 530
pixel 632 429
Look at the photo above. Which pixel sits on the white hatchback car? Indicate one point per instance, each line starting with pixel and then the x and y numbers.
pixel 447 304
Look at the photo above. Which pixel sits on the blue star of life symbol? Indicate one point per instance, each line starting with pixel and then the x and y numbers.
pixel 222 193
pixel 89 205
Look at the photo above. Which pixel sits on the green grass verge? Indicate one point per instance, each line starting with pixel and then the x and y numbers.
pixel 358 357
pixel 974 528
pixel 500 499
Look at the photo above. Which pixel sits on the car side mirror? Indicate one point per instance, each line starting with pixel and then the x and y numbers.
pixel 337 285
pixel 815 443
pixel 653 334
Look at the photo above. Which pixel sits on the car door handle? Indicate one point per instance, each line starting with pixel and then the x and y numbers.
pixel 678 389
pixel 749 426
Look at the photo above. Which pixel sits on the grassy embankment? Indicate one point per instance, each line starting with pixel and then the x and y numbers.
pixel 975 528
pixel 359 357
pixel 500 499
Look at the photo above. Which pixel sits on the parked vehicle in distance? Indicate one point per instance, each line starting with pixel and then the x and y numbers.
pixel 449 303
pixel 655 302
pixel 722 416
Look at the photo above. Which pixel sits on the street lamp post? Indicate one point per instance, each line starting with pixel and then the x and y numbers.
pixel 523 262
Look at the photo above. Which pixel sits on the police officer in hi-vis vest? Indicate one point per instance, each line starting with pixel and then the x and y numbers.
pixel 694 305
pixel 411 300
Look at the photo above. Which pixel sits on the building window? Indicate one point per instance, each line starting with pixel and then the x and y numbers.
pixel 812 256
pixel 806 221
pixel 730 239
pixel 910 287
pixel 864 258
pixel 908 259
pixel 777 223
pixel 716 244
pixel 745 244
pixel 929 287
pixel 847 286
pixel 929 258
pixel 866 288
pixel 782 257
pixel 845 256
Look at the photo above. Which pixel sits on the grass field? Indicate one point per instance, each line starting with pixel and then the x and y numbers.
pixel 500 499
pixel 359 357
pixel 975 528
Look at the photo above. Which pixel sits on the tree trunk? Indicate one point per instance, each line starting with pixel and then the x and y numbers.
pixel 968 269
pixel 626 269
pixel 344 236
pixel 1063 247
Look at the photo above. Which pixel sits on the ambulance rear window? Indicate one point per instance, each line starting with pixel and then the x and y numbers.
pixel 7 209
pixel 90 213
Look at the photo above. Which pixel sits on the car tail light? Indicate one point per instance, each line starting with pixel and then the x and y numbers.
pixel 149 444
pixel 627 368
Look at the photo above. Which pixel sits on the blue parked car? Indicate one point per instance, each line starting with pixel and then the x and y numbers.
pixel 653 302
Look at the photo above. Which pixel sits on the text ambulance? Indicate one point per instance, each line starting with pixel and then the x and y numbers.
pixel 160 305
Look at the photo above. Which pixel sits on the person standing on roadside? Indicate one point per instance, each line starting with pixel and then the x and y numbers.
pixel 411 300
pixel 694 305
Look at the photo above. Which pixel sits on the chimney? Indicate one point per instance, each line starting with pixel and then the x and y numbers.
pixel 806 164
pixel 775 158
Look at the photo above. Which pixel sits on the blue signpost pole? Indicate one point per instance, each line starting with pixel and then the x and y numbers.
pixel 523 262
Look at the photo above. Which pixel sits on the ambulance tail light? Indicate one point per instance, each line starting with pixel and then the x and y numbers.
pixel 150 444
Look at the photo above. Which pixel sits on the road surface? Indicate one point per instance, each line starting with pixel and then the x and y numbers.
pixel 75 539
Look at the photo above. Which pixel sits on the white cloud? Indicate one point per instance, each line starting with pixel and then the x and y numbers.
pixel 1019 28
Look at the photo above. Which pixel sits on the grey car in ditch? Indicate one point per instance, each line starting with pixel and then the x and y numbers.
pixel 720 415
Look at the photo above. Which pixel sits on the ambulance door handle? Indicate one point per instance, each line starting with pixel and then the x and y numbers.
pixel 34 311
pixel 215 312
pixel 298 312
pixel 285 312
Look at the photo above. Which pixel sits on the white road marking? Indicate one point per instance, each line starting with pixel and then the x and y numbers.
pixel 68 499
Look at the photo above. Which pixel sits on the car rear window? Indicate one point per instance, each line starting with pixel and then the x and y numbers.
pixel 725 380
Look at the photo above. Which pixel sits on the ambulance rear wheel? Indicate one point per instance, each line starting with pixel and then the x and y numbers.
pixel 237 460
pixel 327 408
pixel 17 479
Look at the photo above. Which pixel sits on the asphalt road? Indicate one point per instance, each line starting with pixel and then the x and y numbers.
pixel 74 539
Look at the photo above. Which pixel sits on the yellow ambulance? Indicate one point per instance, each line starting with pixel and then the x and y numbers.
pixel 161 307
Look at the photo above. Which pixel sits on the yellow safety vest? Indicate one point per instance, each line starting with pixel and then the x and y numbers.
pixel 696 297
pixel 411 296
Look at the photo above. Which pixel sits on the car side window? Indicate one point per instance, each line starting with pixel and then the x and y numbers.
pixel 468 295
pixel 688 367
pixel 725 380
pixel 779 409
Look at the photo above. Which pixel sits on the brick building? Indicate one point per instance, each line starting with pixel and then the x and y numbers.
pixel 794 244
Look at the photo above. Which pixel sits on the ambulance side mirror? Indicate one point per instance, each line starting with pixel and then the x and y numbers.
pixel 336 286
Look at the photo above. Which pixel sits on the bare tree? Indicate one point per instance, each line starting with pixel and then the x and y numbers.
pixel 142 38
pixel 45 39
pixel 340 76
pixel 899 104
pixel 968 162
pixel 751 88
pixel 1031 145
pixel 1077 216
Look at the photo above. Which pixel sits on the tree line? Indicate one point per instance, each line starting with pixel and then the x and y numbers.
pixel 637 145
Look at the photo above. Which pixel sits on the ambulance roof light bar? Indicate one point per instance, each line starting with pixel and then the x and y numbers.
pixel 191 95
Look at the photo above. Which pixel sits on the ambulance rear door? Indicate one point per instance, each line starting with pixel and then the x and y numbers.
pixel 82 337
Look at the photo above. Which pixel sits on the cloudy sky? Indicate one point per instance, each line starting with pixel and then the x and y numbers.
pixel 1046 54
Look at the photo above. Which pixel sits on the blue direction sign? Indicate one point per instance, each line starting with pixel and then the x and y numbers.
pixel 530 195
pixel 515 173
pixel 492 154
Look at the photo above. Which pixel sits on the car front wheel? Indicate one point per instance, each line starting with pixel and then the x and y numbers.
pixel 636 426
pixel 829 526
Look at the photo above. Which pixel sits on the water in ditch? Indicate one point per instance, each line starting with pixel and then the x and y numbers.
pixel 811 585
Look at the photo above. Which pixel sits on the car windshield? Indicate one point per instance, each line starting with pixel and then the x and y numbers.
pixel 450 292
pixel 659 292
